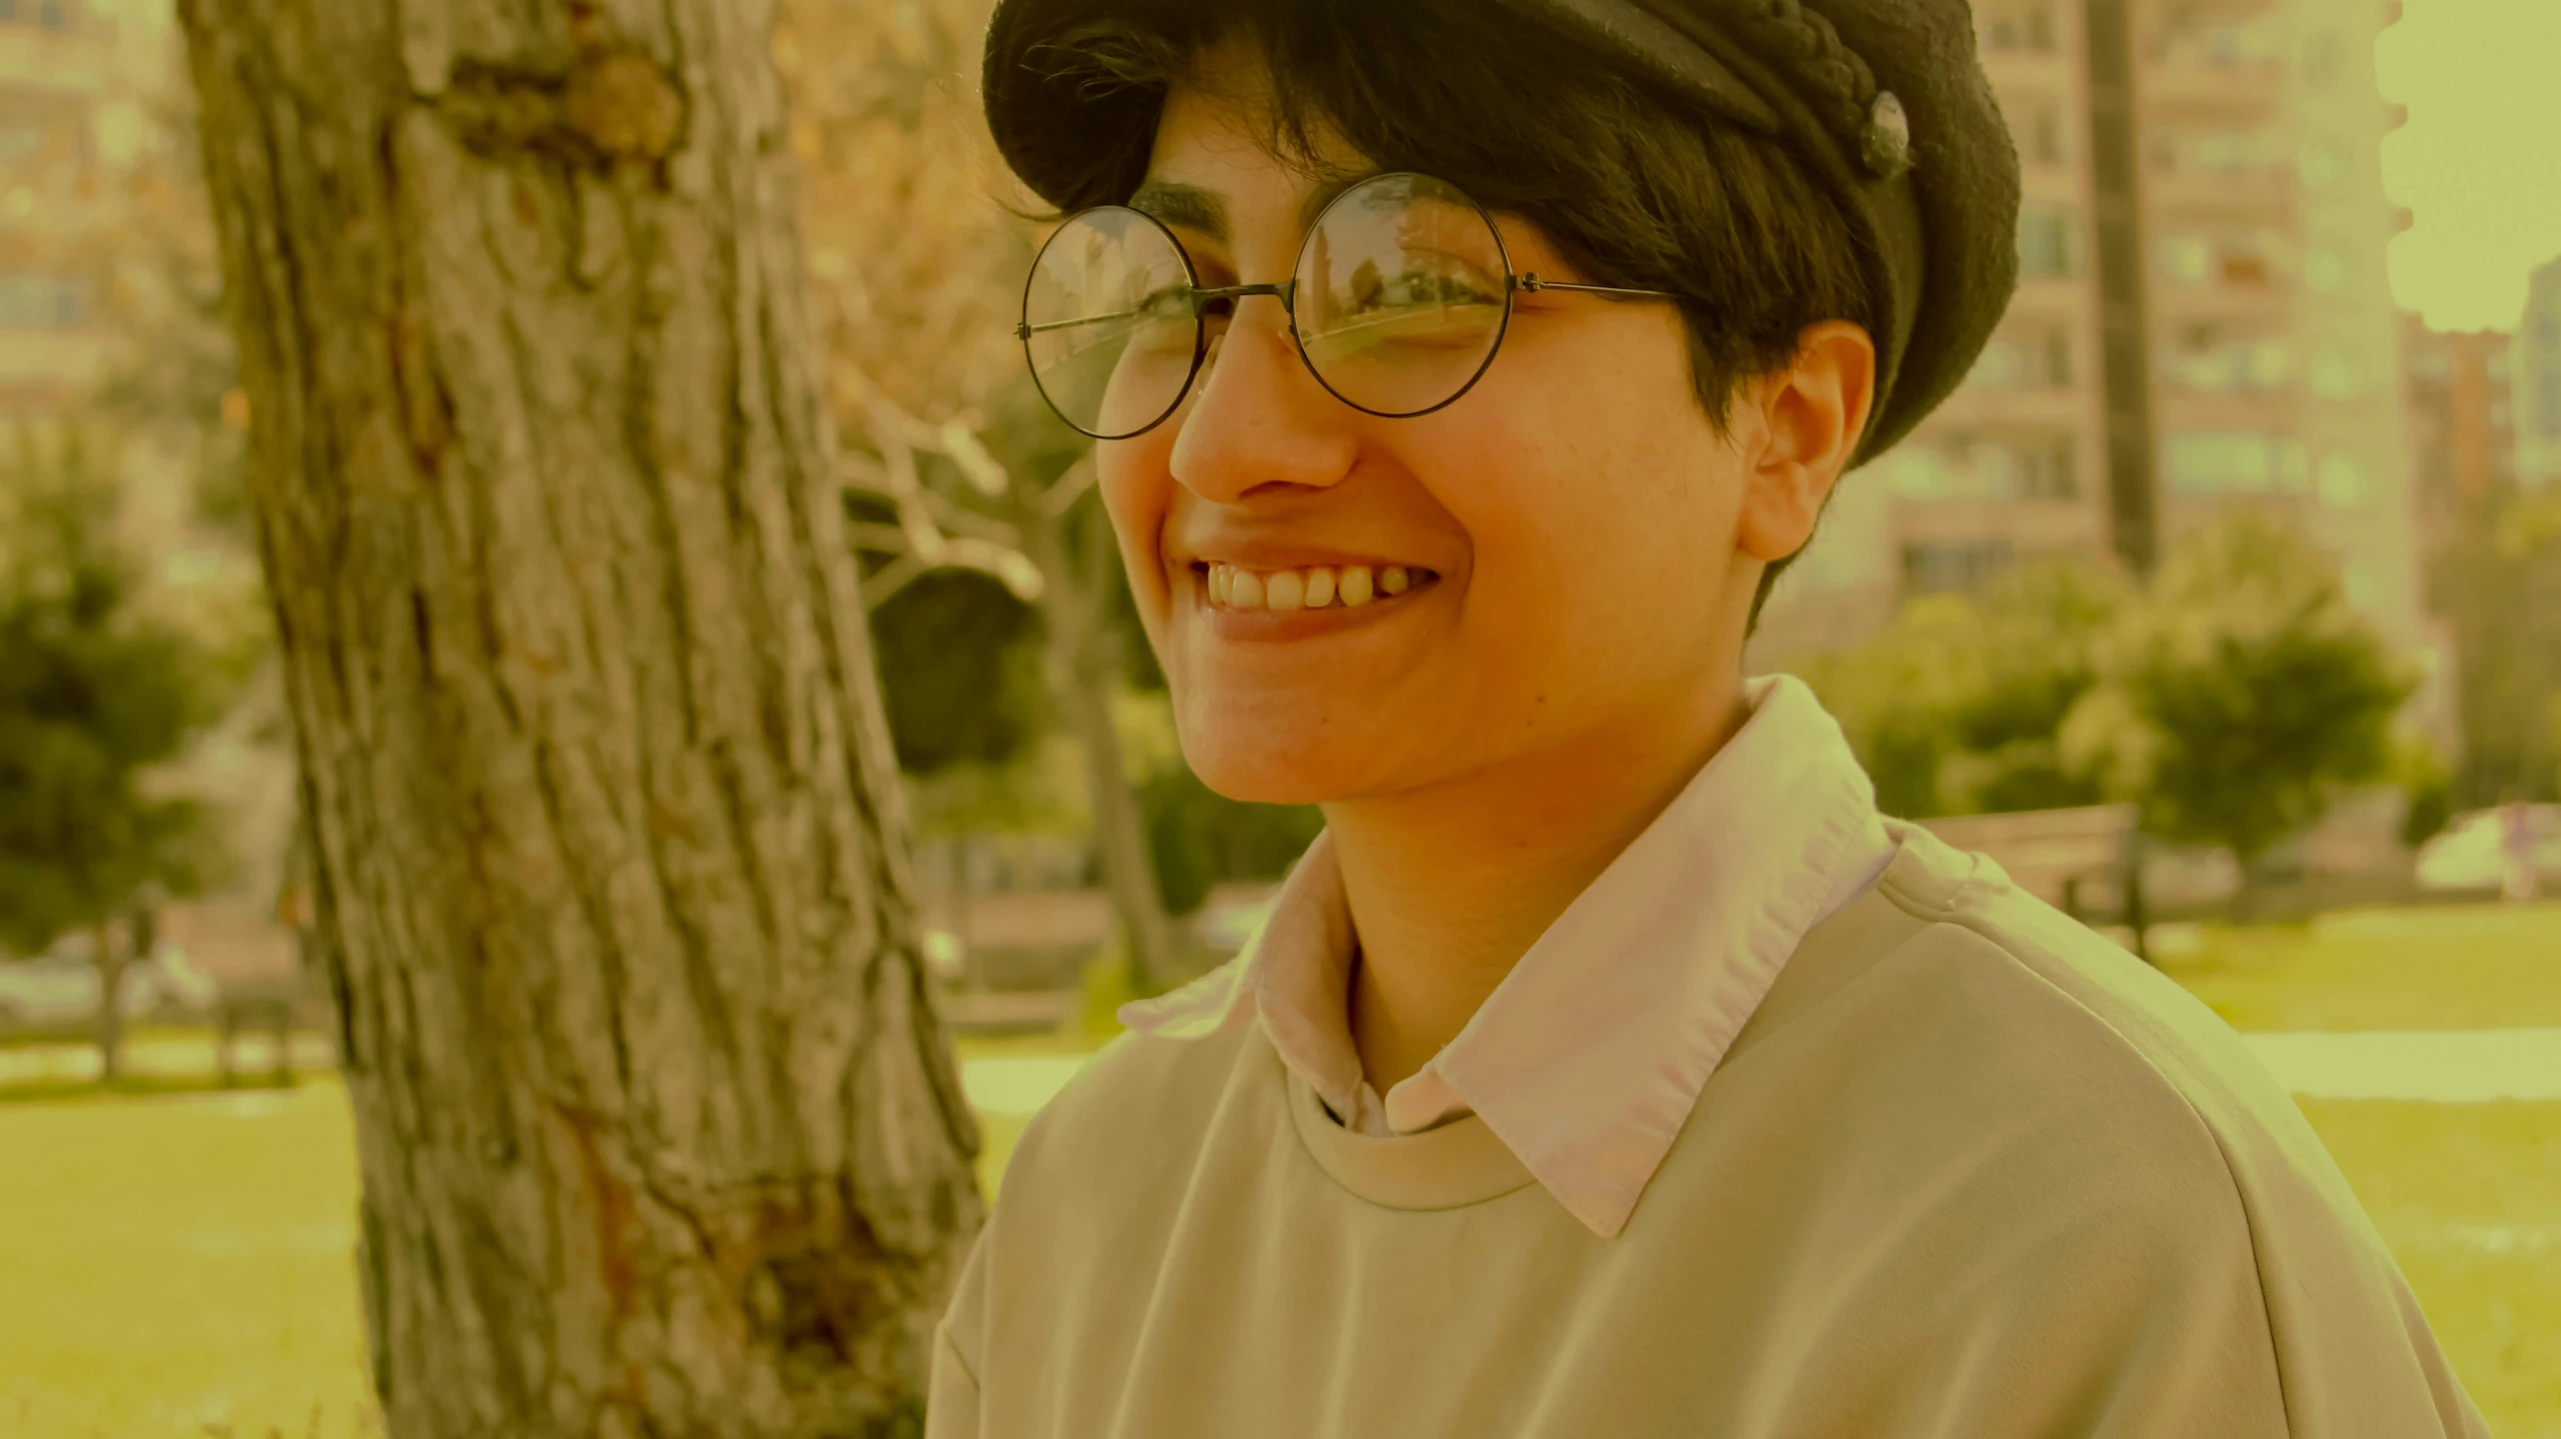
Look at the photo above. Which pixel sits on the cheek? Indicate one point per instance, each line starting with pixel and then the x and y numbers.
pixel 1601 514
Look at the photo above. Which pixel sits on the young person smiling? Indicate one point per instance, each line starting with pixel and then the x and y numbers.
pixel 1464 372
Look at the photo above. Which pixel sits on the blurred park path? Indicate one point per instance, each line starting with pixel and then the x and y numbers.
pixel 2447 1066
pixel 163 1057
pixel 2442 1066
pixel 2477 1066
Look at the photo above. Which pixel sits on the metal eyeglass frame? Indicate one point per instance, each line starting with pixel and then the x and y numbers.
pixel 1286 292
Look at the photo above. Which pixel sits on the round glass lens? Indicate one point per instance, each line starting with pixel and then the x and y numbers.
pixel 1403 292
pixel 1113 331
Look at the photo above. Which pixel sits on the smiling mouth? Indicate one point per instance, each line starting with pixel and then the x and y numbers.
pixel 1314 587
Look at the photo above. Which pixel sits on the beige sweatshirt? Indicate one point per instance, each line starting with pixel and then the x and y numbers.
pixel 1970 1172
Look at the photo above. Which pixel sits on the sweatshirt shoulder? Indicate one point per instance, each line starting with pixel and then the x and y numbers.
pixel 2028 1065
pixel 1949 1008
pixel 2043 965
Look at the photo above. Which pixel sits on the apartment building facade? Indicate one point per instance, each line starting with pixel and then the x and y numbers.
pixel 56 62
pixel 2536 382
pixel 2462 409
pixel 2259 314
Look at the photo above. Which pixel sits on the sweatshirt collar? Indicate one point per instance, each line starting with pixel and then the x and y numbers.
pixel 1588 1057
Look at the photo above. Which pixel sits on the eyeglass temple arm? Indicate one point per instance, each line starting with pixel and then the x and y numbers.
pixel 1531 282
pixel 1286 291
pixel 1026 331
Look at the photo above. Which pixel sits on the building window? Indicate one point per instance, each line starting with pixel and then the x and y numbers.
pixel 2024 358
pixel 1998 367
pixel 2046 470
pixel 2326 164
pixel 1954 565
pixel 2335 374
pixel 2045 240
pixel 1973 466
pixel 2237 257
pixel 2188 259
pixel 2326 270
pixel 2227 152
pixel 2321 59
pixel 2213 462
pixel 1918 471
pixel 2217 362
pixel 2022 27
pixel 2342 480
pixel 2044 134
pixel 40 302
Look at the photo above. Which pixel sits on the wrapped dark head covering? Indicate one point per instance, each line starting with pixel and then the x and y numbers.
pixel 1882 100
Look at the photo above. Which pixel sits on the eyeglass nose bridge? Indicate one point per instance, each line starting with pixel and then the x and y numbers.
pixel 1286 292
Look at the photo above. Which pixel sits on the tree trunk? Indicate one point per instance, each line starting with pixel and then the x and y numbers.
pixel 111 971
pixel 1084 671
pixel 660 1132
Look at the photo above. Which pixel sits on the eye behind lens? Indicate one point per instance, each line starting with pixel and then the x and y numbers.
pixel 1404 292
pixel 1111 338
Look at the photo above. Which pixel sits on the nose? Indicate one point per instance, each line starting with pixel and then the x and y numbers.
pixel 1257 417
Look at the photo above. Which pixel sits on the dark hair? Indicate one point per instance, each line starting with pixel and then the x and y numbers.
pixel 1635 185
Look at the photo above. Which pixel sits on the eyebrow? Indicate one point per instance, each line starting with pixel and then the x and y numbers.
pixel 1186 206
pixel 1192 207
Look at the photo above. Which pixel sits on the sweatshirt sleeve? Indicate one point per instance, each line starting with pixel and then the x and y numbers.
pixel 951 1399
pixel 2127 1321
pixel 2139 1312
pixel 951 1390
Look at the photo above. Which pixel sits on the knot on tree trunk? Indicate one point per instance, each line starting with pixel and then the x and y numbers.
pixel 615 105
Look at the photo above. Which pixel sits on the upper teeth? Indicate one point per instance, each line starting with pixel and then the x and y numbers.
pixel 1313 588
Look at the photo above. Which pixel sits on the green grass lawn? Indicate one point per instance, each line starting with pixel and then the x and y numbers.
pixel 2469 1198
pixel 182 1266
pixel 2472 967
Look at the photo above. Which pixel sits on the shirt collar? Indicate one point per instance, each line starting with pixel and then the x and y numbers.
pixel 1665 955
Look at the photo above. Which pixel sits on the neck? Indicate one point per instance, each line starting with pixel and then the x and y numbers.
pixel 1449 886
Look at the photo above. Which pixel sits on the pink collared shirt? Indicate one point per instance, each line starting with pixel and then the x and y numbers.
pixel 1588 1056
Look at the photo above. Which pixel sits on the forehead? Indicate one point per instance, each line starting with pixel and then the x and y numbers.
pixel 1225 163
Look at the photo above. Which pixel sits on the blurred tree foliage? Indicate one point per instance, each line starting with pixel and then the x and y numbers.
pixel 2429 788
pixel 960 662
pixel 2497 582
pixel 998 610
pixel 2242 695
pixel 2232 699
pixel 1958 706
pixel 95 692
pixel 178 386
pixel 1202 837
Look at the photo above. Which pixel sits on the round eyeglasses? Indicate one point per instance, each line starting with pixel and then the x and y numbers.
pixel 1401 296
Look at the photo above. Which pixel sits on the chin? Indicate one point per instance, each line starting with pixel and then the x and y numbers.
pixel 1260 761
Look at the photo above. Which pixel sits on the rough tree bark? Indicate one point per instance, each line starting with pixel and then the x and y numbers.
pixel 660 1133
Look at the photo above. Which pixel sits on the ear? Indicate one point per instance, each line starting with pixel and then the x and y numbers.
pixel 1811 415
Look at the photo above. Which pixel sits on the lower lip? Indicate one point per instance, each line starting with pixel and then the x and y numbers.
pixel 1274 625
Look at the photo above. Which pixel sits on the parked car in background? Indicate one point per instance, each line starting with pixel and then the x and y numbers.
pixel 2470 853
pixel 58 990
